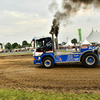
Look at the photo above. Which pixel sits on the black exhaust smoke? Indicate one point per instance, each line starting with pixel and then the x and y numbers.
pixel 71 7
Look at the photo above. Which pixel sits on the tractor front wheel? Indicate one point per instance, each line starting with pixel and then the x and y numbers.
pixel 48 62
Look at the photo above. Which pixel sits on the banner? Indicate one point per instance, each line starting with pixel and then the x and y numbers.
pixel 80 36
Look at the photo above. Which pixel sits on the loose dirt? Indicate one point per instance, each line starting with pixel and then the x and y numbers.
pixel 19 72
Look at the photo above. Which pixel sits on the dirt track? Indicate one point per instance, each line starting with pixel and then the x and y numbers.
pixel 20 72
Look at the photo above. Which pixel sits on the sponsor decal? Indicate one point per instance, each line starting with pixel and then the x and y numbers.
pixel 76 59
pixel 76 55
pixel 90 47
pixel 70 58
pixel 84 47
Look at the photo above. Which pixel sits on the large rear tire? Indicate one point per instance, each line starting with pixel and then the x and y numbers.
pixel 90 60
pixel 48 62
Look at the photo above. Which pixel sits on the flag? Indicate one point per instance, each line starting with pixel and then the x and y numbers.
pixel 80 36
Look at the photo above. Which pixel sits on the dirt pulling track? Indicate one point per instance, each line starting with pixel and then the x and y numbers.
pixel 19 72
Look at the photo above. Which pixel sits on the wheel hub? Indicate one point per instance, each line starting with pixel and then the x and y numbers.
pixel 47 63
pixel 90 60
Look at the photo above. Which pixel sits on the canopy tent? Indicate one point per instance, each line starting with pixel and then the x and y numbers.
pixel 98 43
pixel 59 42
pixel 85 42
pixel 93 37
pixel 69 43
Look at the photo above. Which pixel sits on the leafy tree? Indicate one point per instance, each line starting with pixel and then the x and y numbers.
pixel 14 45
pixel 24 43
pixel 8 45
pixel 19 46
pixel 29 45
pixel 63 43
pixel 74 41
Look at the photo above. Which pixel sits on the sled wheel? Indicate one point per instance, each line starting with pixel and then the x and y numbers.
pixel 90 60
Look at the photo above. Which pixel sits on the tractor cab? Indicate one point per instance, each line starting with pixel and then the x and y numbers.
pixel 41 45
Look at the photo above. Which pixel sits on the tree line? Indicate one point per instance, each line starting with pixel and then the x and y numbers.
pixel 25 43
pixel 15 45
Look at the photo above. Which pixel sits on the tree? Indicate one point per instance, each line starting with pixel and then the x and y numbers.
pixel 8 45
pixel 29 45
pixel 74 41
pixel 14 45
pixel 24 43
pixel 19 46
pixel 63 43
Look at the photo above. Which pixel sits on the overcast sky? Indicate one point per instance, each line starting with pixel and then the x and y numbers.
pixel 24 19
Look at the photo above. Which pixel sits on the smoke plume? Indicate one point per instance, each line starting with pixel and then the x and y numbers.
pixel 71 7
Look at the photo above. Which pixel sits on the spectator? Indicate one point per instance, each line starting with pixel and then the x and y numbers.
pixel 76 48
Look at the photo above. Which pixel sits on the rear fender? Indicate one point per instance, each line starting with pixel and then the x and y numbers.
pixel 84 54
pixel 96 52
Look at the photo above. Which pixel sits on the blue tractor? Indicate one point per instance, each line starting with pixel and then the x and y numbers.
pixel 45 52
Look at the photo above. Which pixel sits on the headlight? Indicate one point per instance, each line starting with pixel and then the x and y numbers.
pixel 39 58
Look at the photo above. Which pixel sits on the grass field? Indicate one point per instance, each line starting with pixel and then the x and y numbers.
pixel 7 94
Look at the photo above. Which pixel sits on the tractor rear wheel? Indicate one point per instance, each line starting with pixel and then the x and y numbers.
pixel 90 60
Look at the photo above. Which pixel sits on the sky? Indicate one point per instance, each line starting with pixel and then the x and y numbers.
pixel 25 19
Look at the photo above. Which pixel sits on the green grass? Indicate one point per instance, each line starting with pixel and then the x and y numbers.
pixel 8 94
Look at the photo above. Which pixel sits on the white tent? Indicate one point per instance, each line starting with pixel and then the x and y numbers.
pixel 93 37
pixel 98 43
pixel 59 42
pixel 85 42
pixel 69 43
